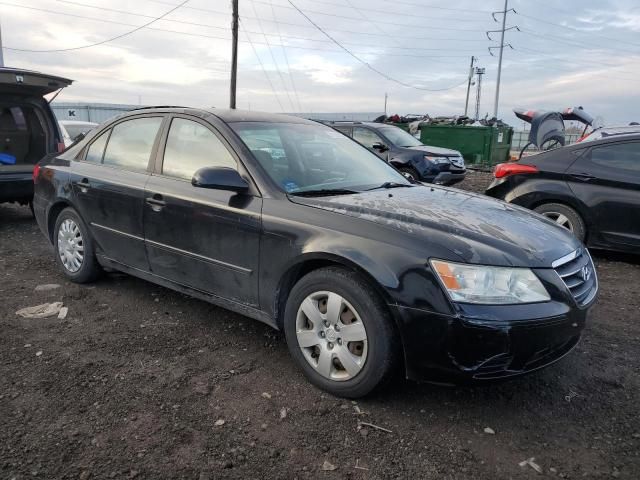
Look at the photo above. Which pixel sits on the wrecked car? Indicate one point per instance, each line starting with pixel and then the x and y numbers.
pixel 289 222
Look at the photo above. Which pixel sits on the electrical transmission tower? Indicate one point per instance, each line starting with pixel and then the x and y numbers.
pixel 501 48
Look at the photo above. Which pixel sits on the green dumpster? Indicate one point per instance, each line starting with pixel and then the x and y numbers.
pixel 478 145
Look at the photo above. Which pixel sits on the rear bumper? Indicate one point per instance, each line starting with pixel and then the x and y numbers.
pixel 455 349
pixel 16 187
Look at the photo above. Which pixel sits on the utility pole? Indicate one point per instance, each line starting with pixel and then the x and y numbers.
pixel 466 103
pixel 234 54
pixel 501 47
pixel 385 103
pixel 479 72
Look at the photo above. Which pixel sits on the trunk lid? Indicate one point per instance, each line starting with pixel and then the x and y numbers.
pixel 15 81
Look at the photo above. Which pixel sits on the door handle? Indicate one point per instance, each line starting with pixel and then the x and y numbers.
pixel 156 203
pixel 583 177
pixel 84 185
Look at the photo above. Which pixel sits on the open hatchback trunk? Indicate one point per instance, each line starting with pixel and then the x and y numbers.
pixel 28 128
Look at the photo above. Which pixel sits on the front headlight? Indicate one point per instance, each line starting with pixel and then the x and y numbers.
pixel 437 159
pixel 467 283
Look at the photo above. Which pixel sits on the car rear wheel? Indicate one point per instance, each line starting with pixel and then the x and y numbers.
pixel 564 216
pixel 74 248
pixel 340 333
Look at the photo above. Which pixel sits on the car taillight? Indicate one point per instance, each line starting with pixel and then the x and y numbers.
pixel 505 169
pixel 36 173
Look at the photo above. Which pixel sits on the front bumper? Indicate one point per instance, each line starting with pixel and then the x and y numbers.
pixel 477 346
pixel 449 178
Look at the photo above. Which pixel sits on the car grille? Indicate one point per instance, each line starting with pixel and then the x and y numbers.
pixel 579 275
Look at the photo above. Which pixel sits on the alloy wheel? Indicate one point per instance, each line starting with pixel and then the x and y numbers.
pixel 560 219
pixel 70 245
pixel 331 335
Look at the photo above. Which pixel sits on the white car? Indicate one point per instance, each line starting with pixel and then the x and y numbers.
pixel 72 128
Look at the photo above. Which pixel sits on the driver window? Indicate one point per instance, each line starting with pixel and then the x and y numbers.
pixel 191 146
pixel 366 137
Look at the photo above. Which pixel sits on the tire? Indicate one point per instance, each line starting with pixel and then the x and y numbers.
pixel 410 171
pixel 70 228
pixel 564 216
pixel 371 362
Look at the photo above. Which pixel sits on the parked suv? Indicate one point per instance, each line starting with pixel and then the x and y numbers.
pixel 407 153
pixel 28 129
pixel 291 223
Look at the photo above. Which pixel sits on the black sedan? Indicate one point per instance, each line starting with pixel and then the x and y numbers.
pixel 291 223
pixel 591 188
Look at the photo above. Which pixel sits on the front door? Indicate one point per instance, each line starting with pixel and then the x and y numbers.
pixel 607 180
pixel 206 239
pixel 109 188
pixel 368 138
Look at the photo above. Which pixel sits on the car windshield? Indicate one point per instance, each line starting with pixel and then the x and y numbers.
pixel 399 137
pixel 304 158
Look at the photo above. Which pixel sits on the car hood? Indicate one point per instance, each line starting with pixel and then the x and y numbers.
pixel 477 229
pixel 445 152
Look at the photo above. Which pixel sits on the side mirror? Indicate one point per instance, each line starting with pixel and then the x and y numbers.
pixel 79 137
pixel 220 178
pixel 381 147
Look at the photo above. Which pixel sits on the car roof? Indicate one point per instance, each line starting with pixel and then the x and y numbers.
pixel 347 123
pixel 76 122
pixel 229 115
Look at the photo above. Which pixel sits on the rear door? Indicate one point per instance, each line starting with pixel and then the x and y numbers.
pixel 109 187
pixel 206 239
pixel 607 180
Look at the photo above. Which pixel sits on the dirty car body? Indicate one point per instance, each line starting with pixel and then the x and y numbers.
pixel 247 250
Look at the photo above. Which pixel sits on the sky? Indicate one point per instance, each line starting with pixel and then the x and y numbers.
pixel 343 58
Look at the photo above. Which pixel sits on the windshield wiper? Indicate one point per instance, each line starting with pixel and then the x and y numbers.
pixel 387 185
pixel 323 191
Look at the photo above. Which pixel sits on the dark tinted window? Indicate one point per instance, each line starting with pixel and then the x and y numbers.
pixel 131 142
pixel 366 137
pixel 621 156
pixel 96 149
pixel 191 146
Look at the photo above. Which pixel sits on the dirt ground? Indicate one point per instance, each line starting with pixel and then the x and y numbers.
pixel 141 382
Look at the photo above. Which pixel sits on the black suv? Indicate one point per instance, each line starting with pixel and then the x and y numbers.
pixel 28 129
pixel 407 153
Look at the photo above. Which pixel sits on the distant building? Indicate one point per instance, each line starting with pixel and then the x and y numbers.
pixel 100 112
pixel 89 112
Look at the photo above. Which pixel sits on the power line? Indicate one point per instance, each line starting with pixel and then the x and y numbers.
pixel 117 37
pixel 286 59
pixel 286 90
pixel 369 66
pixel 547 36
pixel 262 33
pixel 300 25
pixel 262 66
pixel 565 27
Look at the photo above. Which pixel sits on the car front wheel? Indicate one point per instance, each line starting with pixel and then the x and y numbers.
pixel 340 333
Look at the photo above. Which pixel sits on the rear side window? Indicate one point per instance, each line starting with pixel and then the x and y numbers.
pixel 191 146
pixel 96 149
pixel 621 156
pixel 131 142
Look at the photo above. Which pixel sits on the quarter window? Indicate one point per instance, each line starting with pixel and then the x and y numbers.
pixel 191 146
pixel 96 149
pixel 621 156
pixel 131 143
pixel 366 137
